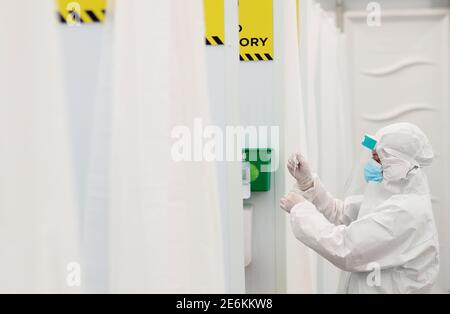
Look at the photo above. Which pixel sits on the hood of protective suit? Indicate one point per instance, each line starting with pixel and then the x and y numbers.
pixel 402 148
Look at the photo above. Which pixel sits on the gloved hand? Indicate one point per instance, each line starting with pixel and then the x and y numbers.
pixel 299 169
pixel 290 200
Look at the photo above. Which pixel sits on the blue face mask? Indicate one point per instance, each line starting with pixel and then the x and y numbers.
pixel 373 171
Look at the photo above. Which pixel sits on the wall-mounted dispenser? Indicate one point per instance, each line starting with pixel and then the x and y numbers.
pixel 260 167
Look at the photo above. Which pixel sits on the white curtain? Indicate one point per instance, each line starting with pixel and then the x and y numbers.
pixel 328 123
pixel 38 222
pixel 299 269
pixel 96 212
pixel 309 42
pixel 335 138
pixel 165 219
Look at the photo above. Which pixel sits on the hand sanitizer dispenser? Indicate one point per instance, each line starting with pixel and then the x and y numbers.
pixel 260 167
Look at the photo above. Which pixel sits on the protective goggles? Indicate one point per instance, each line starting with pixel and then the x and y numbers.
pixel 369 142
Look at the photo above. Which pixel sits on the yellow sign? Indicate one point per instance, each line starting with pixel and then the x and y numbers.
pixel 215 22
pixel 256 30
pixel 77 12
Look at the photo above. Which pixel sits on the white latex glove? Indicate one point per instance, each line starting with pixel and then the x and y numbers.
pixel 291 199
pixel 299 169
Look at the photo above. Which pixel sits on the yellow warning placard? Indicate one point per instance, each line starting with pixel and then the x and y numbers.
pixel 256 30
pixel 76 12
pixel 215 22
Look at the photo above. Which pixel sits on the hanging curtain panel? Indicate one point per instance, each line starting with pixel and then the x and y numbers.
pixel 299 270
pixel 38 221
pixel 165 219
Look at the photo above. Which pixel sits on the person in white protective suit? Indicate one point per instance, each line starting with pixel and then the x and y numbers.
pixel 386 239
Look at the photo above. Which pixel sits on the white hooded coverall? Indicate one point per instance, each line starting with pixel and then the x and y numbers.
pixel 386 239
